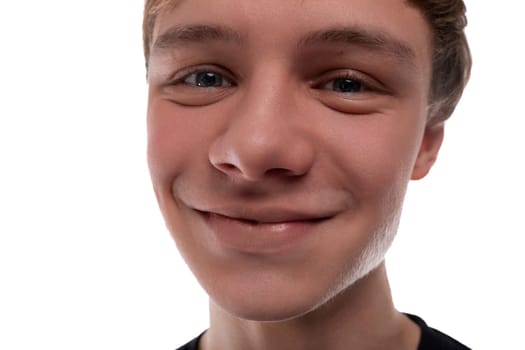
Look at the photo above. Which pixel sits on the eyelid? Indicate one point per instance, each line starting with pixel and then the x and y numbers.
pixel 180 76
pixel 369 84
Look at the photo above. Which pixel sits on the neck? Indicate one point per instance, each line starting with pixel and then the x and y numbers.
pixel 361 317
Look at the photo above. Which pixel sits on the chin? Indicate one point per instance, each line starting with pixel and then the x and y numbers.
pixel 271 300
pixel 268 310
pixel 282 288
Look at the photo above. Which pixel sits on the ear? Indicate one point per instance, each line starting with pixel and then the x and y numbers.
pixel 428 150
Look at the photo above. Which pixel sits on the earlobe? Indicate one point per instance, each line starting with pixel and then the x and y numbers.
pixel 428 150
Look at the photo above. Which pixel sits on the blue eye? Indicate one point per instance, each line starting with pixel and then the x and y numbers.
pixel 206 80
pixel 346 85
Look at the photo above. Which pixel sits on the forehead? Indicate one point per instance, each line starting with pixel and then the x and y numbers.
pixel 270 23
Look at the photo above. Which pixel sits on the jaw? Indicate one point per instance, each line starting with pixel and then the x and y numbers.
pixel 360 314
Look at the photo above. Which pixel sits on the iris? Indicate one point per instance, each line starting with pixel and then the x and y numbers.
pixel 208 79
pixel 346 85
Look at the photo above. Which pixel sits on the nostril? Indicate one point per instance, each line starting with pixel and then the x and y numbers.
pixel 227 167
pixel 280 172
pixel 236 154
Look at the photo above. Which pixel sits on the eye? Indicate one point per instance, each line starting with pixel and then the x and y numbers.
pixel 200 86
pixel 345 85
pixel 206 79
pixel 350 91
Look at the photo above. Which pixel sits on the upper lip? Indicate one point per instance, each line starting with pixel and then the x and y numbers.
pixel 271 215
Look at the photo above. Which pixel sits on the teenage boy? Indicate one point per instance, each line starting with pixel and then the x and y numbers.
pixel 282 136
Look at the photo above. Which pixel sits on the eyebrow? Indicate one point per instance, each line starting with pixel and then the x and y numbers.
pixel 371 39
pixel 184 35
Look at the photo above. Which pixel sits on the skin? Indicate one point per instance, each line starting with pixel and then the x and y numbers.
pixel 282 177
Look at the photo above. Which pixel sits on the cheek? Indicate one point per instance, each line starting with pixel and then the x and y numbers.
pixel 174 139
pixel 377 155
pixel 175 146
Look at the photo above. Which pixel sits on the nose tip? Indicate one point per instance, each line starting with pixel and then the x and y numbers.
pixel 257 162
pixel 255 158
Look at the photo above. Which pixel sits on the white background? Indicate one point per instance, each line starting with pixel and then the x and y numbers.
pixel 85 260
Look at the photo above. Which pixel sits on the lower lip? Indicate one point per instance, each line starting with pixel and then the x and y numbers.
pixel 259 238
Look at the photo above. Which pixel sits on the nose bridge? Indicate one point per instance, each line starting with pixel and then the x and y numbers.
pixel 262 136
pixel 266 110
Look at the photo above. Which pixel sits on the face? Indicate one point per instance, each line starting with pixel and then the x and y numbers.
pixel 282 135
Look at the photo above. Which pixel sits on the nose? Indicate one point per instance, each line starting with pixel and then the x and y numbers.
pixel 263 138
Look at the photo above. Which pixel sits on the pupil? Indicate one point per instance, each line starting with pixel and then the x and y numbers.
pixel 208 79
pixel 347 85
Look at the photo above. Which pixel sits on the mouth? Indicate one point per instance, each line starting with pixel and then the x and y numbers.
pixel 266 219
pixel 263 233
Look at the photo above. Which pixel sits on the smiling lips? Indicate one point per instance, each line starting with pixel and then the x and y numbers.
pixel 265 232
pixel 267 216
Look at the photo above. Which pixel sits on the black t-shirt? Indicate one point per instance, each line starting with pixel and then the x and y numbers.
pixel 431 339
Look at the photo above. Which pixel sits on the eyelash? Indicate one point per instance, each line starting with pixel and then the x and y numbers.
pixel 182 77
pixel 366 84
